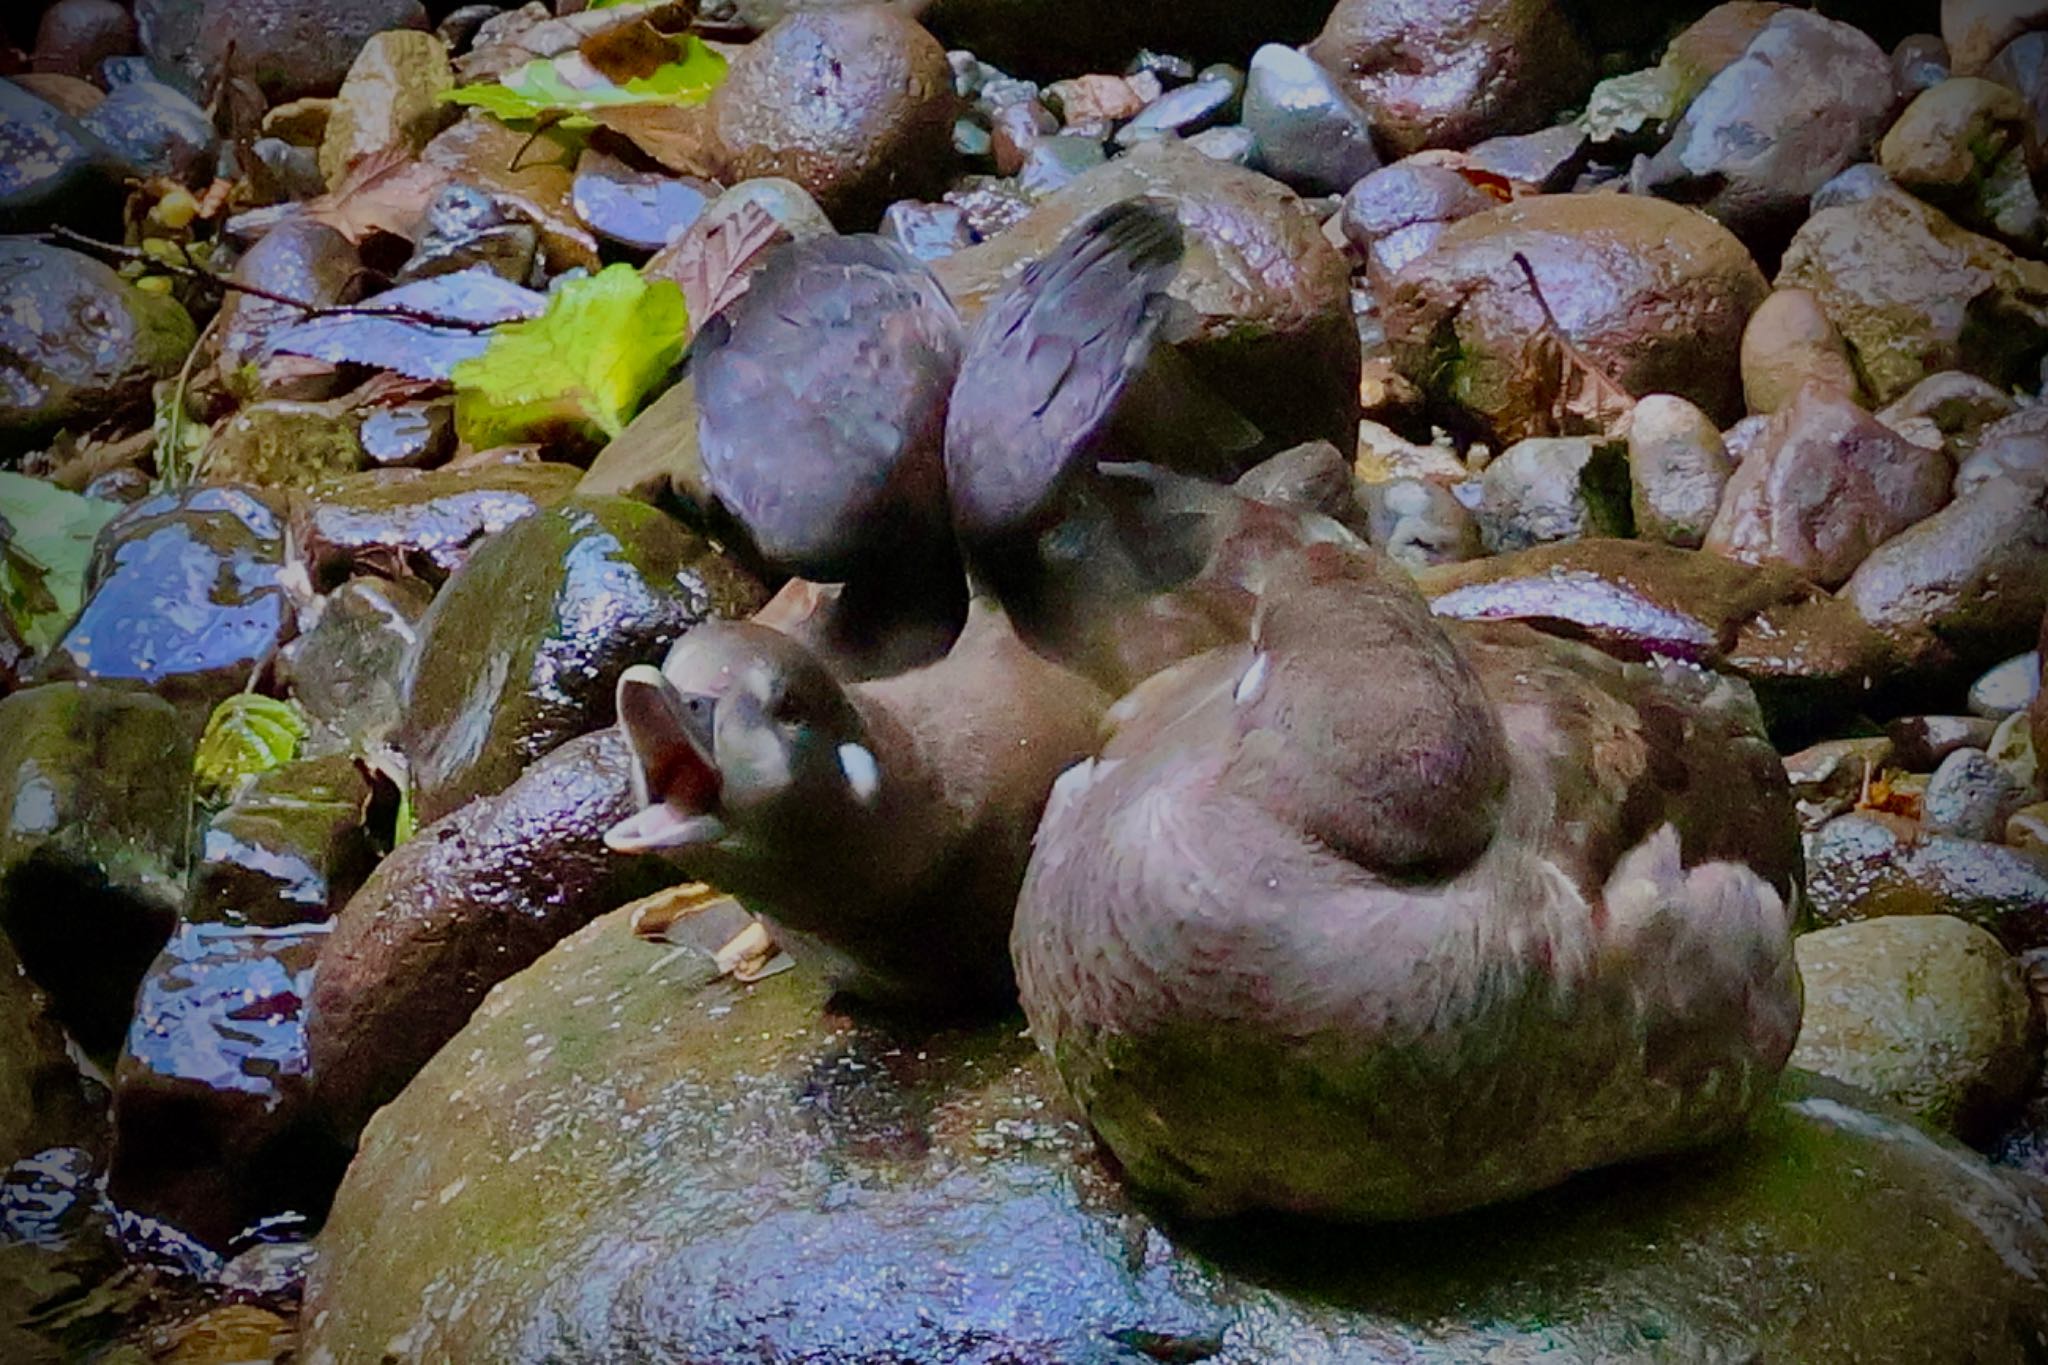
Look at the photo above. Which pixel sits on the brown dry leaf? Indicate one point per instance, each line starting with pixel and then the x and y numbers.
pixel 386 191
pixel 513 39
pixel 1895 793
pixel 711 267
pixel 628 52
pixel 1581 397
pixel 1492 183
pixel 680 138
pixel 752 955
pixel 653 916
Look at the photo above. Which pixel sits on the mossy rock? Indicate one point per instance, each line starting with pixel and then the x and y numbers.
pixel 622 1157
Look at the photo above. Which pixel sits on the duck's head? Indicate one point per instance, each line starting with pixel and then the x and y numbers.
pixel 742 742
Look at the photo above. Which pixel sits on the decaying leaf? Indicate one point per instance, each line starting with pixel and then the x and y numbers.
pixel 47 541
pixel 247 734
pixel 1581 397
pixel 711 266
pixel 402 339
pixel 386 191
pixel 581 369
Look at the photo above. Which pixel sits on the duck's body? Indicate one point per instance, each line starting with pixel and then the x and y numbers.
pixel 1365 921
pixel 881 827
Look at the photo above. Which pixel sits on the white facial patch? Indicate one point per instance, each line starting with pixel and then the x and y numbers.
pixel 862 773
pixel 1254 678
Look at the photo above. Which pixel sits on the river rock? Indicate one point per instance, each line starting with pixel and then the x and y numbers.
pixel 1418 523
pixel 285 443
pixel 460 906
pixel 1807 98
pixel 1920 61
pixel 288 48
pixel 1976 29
pixel 299 259
pixel 529 171
pixel 96 784
pixel 1865 865
pixel 1827 484
pixel 1829 777
pixel 289 849
pixel 751 1175
pixel 2022 65
pixel 75 36
pixel 1186 111
pixel 1962 146
pixel 874 120
pixel 1913 293
pixel 1636 599
pixel 2014 447
pixel 390 101
pixel 80 341
pixel 1310 133
pixel 639 210
pixel 184 596
pixel 1271 331
pixel 797 217
pixel 1789 344
pixel 1921 742
pixel 51 169
pixel 1655 294
pixel 1926 1011
pixel 1974 575
pixel 1553 488
pixel 1451 75
pixel 2010 686
pixel 1960 407
pixel 1055 162
pixel 1970 796
pixel 1398 212
pixel 401 522
pixel 157 130
pixel 210 1129
pixel 347 673
pixel 1677 467
pixel 523 646
pixel 42 1096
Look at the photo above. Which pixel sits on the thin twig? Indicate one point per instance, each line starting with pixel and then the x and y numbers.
pixel 174 435
pixel 425 317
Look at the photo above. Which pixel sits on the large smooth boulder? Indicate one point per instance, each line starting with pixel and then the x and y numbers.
pixel 1654 294
pixel 288 48
pixel 1272 330
pixel 621 1157
pixel 1914 294
pixel 522 648
pixel 460 906
pixel 80 341
pixel 1448 75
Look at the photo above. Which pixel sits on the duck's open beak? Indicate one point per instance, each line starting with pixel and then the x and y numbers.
pixel 675 775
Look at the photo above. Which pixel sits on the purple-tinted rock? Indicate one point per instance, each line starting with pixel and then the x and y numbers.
pixel 1396 214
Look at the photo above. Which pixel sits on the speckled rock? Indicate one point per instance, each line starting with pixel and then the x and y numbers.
pixel 1655 294
pixel 1808 97
pixel 51 169
pixel 389 102
pixel 96 784
pixel 288 48
pixel 1926 1011
pixel 80 341
pixel 1397 213
pixel 523 646
pixel 737 1176
pixel 1970 797
pixel 1788 344
pixel 1432 75
pixel 874 122
pixel 157 130
pixel 1553 488
pixel 459 907
pixel 1913 293
pixel 1677 467
pixel 347 672
pixel 2008 687
pixel 403 522
pixel 1272 330
pixel 1827 484
pixel 1974 575
pixel 1865 865
pixel 1962 146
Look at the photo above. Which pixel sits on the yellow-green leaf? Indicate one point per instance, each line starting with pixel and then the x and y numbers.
pixel 44 551
pixel 568 86
pixel 579 370
pixel 246 735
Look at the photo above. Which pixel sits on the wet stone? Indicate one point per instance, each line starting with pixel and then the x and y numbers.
pixel 287 48
pixel 2007 688
pixel 404 523
pixel 1919 62
pixel 1863 865
pixel 1055 162
pixel 51 168
pixel 1970 797
pixel 1960 406
pixel 1397 213
pixel 301 260
pixel 1962 146
pixel 1827 778
pixel 1310 133
pixel 1789 344
pixel 1922 742
pixel 1553 488
pixel 1231 142
pixel 96 784
pixel 466 227
pixel 284 443
pixel 43 1098
pixel 1549 160
pixel 1014 129
pixel 348 671
pixel 157 129
pixel 1181 112
pixel 75 36
pixel 183 596
pixel 2014 447
pixel 1677 468
pixel 972 141
pixel 523 646
pixel 389 103
pixel 409 435
pixel 210 1128
pixel 638 209
pixel 289 849
pixel 927 231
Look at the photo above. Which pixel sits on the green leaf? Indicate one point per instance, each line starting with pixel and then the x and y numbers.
pixel 580 369
pixel 246 735
pixel 48 545
pixel 570 85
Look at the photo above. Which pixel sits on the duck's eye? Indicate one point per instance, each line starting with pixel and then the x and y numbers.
pixel 783 709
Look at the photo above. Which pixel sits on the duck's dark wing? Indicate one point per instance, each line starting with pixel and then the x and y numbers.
pixel 822 393
pixel 1047 362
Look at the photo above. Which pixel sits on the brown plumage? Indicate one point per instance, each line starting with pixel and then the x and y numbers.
pixel 1369 919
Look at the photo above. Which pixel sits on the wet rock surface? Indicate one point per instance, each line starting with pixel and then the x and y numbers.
pixel 523 646
pixel 835 1166
pixel 1863 866
pixel 289 849
pixel 287 47
pixel 402 523
pixel 93 853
